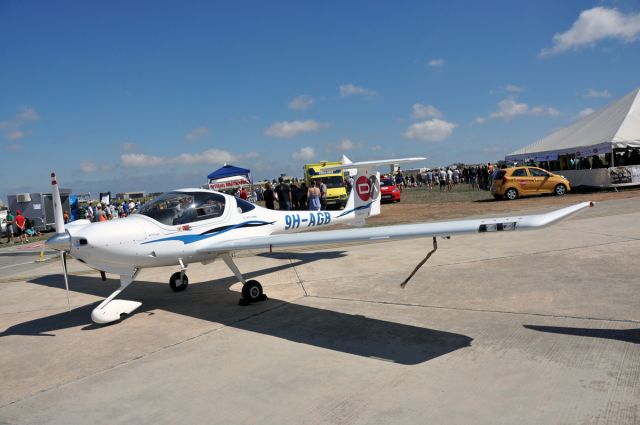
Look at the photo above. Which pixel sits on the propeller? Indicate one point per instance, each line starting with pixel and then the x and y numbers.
pixel 61 241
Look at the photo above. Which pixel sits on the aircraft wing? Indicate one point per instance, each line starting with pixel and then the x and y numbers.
pixel 403 231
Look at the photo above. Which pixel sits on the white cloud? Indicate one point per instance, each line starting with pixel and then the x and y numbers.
pixel 433 130
pixel 512 88
pixel 305 154
pixel 196 133
pixel 594 25
pixel 376 148
pixel 350 90
pixel 210 156
pixel 88 167
pixel 13 147
pixel 288 129
pixel 585 112
pixel 129 147
pixel 510 108
pixel 252 155
pixel 346 145
pixel 14 135
pixel 420 111
pixel 591 93
pixel 302 102
pixel 434 63
pixel 27 114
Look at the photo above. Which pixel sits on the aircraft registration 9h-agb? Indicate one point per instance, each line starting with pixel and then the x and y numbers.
pixel 197 225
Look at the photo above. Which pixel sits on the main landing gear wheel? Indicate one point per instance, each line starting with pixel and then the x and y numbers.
pixel 252 293
pixel 177 284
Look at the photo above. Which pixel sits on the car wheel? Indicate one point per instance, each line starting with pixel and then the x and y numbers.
pixel 511 194
pixel 560 190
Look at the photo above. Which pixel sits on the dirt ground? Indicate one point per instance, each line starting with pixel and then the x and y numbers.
pixel 420 204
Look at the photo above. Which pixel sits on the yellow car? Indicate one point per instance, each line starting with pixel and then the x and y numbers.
pixel 521 181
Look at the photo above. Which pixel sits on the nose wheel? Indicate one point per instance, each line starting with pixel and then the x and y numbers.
pixel 178 281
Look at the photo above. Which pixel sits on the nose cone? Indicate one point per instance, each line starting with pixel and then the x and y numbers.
pixel 59 242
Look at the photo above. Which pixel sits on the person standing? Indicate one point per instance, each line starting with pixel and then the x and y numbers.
pixel 304 191
pixel 21 226
pixel 10 220
pixel 314 197
pixel 244 195
pixel 323 195
pixel 268 196
pixel 283 191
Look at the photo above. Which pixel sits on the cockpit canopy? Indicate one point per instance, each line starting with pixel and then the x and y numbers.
pixel 174 208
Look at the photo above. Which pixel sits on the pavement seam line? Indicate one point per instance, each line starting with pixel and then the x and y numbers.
pixel 281 304
pixel 515 313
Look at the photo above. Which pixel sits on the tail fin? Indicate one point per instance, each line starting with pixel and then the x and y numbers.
pixel 364 199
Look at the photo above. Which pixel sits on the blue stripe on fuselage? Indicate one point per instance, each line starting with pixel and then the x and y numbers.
pixel 188 239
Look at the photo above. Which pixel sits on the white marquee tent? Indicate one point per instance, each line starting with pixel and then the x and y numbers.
pixel 616 126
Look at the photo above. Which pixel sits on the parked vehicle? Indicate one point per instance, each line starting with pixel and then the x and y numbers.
pixel 333 178
pixel 510 183
pixel 389 191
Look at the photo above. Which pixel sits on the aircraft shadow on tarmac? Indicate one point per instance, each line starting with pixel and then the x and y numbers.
pixel 215 302
pixel 625 335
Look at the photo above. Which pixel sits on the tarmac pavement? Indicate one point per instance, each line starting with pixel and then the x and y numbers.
pixel 510 328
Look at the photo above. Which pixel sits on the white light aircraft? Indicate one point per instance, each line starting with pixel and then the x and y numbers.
pixel 196 225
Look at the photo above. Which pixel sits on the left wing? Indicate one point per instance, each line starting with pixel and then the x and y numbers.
pixel 403 231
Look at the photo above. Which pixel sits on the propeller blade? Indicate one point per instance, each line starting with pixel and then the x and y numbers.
pixel 57 205
pixel 63 257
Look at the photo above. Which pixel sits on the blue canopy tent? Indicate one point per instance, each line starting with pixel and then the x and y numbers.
pixel 229 177
pixel 229 171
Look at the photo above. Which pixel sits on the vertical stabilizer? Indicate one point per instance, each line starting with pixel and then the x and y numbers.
pixel 364 199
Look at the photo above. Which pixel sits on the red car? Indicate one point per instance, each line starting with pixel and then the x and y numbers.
pixel 389 191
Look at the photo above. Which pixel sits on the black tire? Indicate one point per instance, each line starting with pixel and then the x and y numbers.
pixel 176 284
pixel 252 291
pixel 560 190
pixel 511 194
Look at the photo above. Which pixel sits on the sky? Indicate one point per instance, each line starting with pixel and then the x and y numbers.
pixel 152 95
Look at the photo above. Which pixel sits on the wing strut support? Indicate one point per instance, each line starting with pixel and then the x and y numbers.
pixel 421 263
pixel 251 289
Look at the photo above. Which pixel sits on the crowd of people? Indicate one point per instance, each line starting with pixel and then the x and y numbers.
pixel 478 177
pixel 19 228
pixel 100 211
pixel 295 196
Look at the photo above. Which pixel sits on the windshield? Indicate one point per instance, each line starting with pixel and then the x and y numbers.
pixel 184 207
pixel 331 181
pixel 386 182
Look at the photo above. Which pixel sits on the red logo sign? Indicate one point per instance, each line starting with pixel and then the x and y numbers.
pixel 363 189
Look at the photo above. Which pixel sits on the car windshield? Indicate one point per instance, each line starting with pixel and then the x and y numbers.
pixel 386 182
pixel 332 181
pixel 184 207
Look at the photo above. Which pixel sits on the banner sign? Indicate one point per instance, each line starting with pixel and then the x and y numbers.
pixel 229 183
pixel 621 176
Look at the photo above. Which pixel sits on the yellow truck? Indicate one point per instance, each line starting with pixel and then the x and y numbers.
pixel 332 177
